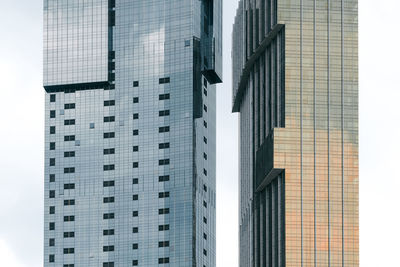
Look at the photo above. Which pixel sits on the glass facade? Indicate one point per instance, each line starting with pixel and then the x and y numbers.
pixel 130 132
pixel 295 84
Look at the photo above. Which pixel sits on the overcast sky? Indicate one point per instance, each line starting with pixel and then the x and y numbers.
pixel 22 127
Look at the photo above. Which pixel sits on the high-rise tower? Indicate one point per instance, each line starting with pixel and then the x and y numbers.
pixel 295 84
pixel 130 132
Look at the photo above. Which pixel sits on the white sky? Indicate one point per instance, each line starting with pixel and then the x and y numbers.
pixel 21 137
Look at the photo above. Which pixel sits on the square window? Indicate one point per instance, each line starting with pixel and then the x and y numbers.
pixel 52 209
pixel 52 242
pixel 51 258
pixel 135 181
pixel 52 226
pixel 52 178
pixel 135 83
pixel 52 114
pixel 52 129
pixel 52 146
pixel 187 43
pixel 91 125
pixel 136 100
pixel 52 98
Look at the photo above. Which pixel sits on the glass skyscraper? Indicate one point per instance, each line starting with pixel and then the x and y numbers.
pixel 130 132
pixel 295 84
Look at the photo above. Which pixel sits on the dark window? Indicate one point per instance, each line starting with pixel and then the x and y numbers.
pixel 205 172
pixel 187 43
pixel 69 202
pixel 135 230
pixel 205 236
pixel 205 156
pixel 205 188
pixel 163 244
pixel 135 197
pixel 109 151
pixel 163 211
pixel 205 204
pixel 108 183
pixel 135 165
pixel 136 116
pixel 108 200
pixel 109 118
pixel 52 226
pixel 135 213
pixel 135 148
pixel 135 246
pixel 109 103
pixel 52 242
pixel 108 264
pixel 108 232
pixel 52 178
pixel 108 248
pixel 52 146
pixel 69 106
pixel 136 100
pixel 111 76
pixel 69 186
pixel 69 234
pixel 164 227
pixel 205 108
pixel 52 209
pixel 163 194
pixel 164 80
pixel 52 194
pixel 205 140
pixel 163 129
pixel 108 216
pixel 205 252
pixel 109 167
pixel 91 125
pixel 163 97
pixel 204 219
pixel 69 138
pixel 205 91
pixel 163 113
pixel 51 258
pixel 163 145
pixel 205 82
pixel 163 260
pixel 68 265
pixel 52 98
pixel 135 263
pixel 135 83
pixel 52 129
pixel 69 122
pixel 111 18
pixel 69 170
pixel 163 178
pixel 52 162
pixel 135 181
pixel 205 124
pixel 70 218
pixel 162 162
pixel 111 55
pixel 109 135
pixel 69 154
pixel 135 132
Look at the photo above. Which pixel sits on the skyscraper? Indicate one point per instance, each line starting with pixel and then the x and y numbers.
pixel 130 132
pixel 295 84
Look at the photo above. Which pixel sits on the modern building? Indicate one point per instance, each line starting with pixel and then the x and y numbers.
pixel 130 132
pixel 295 84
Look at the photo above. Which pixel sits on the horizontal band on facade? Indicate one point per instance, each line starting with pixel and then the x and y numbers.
pixel 76 87
pixel 250 64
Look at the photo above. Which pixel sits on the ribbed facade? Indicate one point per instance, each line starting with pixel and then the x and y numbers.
pixel 295 84
pixel 130 132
